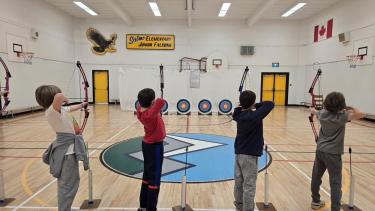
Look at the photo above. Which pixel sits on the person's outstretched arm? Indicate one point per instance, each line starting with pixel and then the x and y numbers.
pixel 355 114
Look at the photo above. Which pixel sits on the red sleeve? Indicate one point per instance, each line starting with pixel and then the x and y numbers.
pixel 157 107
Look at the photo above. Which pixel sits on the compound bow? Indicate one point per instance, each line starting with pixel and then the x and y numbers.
pixel 7 86
pixel 314 99
pixel 162 80
pixel 240 89
pixel 86 96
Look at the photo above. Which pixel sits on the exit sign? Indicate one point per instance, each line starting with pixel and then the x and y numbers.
pixel 275 64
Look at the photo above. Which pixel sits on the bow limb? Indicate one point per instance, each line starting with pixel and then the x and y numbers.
pixel 86 96
pixel 240 89
pixel 162 80
pixel 7 85
pixel 314 98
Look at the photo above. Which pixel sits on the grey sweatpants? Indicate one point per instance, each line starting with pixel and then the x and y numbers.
pixel 245 178
pixel 68 183
pixel 333 164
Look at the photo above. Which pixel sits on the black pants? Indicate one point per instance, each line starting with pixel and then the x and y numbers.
pixel 153 162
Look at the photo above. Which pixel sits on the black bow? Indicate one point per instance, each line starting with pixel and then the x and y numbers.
pixel 243 79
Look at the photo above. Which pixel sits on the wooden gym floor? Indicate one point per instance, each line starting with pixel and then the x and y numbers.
pixel 287 133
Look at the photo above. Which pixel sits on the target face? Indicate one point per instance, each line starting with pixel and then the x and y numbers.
pixel 204 106
pixel 183 106
pixel 165 107
pixel 225 106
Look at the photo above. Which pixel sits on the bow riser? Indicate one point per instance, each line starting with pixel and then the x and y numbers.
pixel 7 85
pixel 314 98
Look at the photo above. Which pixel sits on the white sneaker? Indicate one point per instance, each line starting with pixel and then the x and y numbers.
pixel 317 205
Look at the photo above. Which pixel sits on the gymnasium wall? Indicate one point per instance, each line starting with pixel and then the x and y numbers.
pixel 54 49
pixel 356 17
pixel 275 41
pixel 62 41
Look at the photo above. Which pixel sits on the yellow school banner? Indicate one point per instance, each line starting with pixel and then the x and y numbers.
pixel 150 41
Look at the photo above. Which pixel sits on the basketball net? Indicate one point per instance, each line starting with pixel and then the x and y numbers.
pixel 27 57
pixel 352 60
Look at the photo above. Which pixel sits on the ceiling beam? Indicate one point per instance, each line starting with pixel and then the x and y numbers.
pixel 260 11
pixel 116 7
pixel 189 8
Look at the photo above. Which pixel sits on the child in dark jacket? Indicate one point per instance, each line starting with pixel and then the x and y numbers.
pixel 248 147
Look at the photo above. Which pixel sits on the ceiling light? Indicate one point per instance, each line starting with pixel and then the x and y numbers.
pixel 293 9
pixel 224 9
pixel 86 8
pixel 155 8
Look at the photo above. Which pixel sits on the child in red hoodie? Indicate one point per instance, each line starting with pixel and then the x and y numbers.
pixel 149 114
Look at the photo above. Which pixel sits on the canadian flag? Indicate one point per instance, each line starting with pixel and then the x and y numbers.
pixel 324 31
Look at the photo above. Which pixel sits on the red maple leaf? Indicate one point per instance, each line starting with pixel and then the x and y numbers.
pixel 322 31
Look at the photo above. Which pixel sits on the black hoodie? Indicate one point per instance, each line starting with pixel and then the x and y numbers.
pixel 249 139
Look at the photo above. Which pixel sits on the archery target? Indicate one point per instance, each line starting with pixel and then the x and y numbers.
pixel 136 105
pixel 225 106
pixel 183 106
pixel 164 110
pixel 204 106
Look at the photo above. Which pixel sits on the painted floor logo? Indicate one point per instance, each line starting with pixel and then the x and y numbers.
pixel 210 158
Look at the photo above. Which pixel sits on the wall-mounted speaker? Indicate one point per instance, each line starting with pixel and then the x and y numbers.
pixel 247 50
pixel 344 37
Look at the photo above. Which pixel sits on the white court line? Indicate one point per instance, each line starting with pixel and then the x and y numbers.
pixel 53 181
pixel 299 170
pixel 120 208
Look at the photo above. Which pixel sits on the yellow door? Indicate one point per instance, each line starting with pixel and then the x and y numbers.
pixel 101 86
pixel 267 89
pixel 280 89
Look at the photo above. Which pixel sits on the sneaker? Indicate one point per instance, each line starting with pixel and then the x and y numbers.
pixel 317 205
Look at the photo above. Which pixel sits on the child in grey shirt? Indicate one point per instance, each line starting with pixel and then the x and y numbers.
pixel 330 147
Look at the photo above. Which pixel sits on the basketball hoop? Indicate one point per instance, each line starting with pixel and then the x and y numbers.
pixel 217 63
pixel 353 59
pixel 27 57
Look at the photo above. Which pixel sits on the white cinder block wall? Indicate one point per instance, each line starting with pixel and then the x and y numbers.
pixel 356 84
pixel 54 49
pixel 63 41
pixel 274 41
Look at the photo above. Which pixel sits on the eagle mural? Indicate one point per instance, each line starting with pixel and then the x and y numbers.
pixel 100 44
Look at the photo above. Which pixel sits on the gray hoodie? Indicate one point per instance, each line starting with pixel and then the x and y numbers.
pixel 55 154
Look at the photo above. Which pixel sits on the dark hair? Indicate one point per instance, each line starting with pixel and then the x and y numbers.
pixel 145 97
pixel 247 99
pixel 334 102
pixel 45 94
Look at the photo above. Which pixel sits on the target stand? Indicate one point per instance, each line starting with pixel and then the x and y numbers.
pixel 183 107
pixel 204 107
pixel 225 107
pixel 3 200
